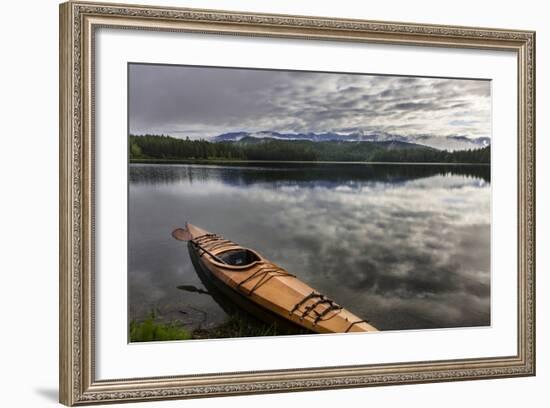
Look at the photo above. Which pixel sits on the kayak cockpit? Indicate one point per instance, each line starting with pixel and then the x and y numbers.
pixel 239 257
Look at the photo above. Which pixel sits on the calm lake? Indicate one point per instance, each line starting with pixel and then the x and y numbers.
pixel 405 246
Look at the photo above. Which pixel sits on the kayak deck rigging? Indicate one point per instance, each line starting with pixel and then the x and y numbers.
pixel 263 274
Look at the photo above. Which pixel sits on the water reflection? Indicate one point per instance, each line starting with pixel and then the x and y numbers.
pixel 300 173
pixel 406 246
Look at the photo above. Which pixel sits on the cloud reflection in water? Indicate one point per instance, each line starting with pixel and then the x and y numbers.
pixel 404 246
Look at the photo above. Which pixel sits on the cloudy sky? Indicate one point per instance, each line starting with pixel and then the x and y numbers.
pixel 200 102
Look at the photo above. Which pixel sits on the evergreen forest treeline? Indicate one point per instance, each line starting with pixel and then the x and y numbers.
pixel 166 148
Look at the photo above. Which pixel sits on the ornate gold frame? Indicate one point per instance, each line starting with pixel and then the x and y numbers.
pixel 78 22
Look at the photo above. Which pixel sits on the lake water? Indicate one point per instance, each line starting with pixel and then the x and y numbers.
pixel 405 246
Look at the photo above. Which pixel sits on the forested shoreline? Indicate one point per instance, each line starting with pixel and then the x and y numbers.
pixel 166 148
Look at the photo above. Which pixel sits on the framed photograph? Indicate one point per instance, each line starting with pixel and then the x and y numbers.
pixel 256 203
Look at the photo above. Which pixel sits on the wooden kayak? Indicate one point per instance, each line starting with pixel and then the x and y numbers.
pixel 263 288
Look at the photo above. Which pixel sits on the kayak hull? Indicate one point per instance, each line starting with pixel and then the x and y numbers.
pixel 264 289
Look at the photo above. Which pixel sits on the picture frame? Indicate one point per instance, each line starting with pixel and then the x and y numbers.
pixel 79 24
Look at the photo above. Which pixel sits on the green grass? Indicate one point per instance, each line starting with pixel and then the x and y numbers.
pixel 149 330
pixel 236 325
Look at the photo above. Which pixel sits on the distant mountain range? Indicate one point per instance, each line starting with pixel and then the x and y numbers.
pixel 382 144
pixel 444 142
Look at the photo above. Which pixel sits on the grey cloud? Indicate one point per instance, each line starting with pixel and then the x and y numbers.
pixel 206 101
pixel 414 106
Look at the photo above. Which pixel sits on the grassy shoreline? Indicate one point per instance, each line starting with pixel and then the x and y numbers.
pixel 236 325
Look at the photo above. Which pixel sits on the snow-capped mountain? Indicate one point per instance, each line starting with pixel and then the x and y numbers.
pixel 441 142
pixel 452 142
